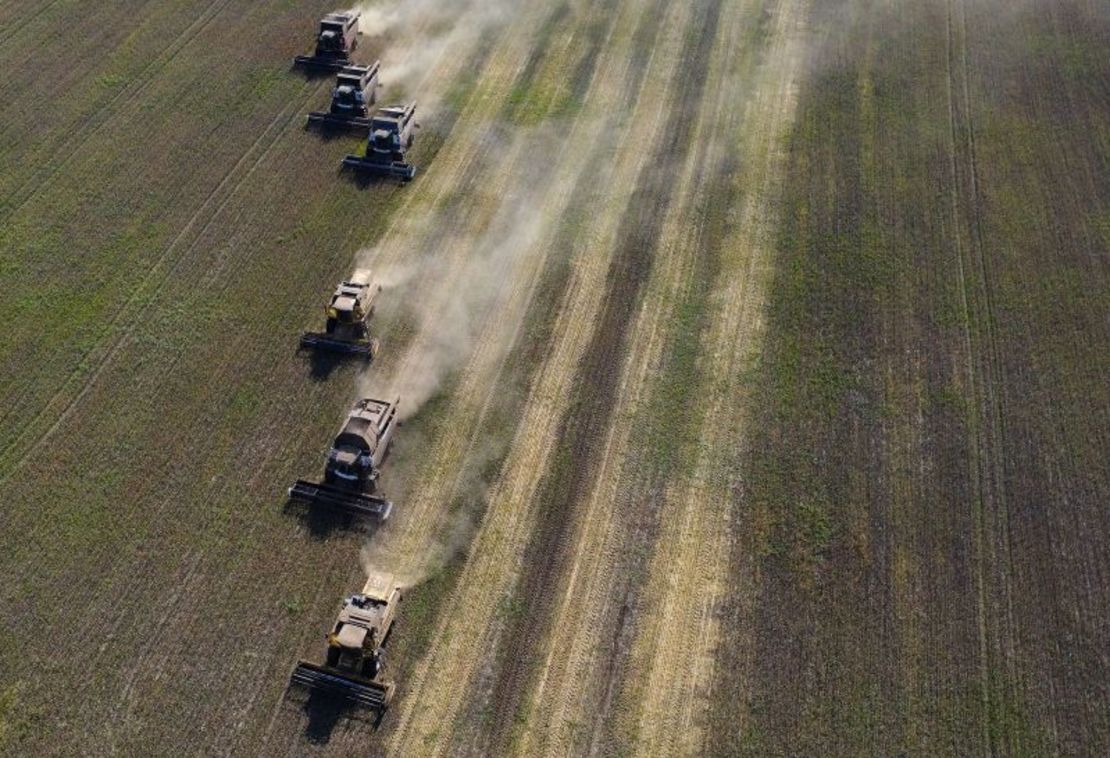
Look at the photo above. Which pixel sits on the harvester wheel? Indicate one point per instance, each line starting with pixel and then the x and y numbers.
pixel 333 657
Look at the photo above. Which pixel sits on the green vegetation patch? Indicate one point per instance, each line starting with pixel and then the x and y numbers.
pixel 18 719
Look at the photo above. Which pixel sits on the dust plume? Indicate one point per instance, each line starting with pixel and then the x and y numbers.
pixel 455 529
pixel 453 280
pixel 449 307
pixel 421 33
pixel 381 557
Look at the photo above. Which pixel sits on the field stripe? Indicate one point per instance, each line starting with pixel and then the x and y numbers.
pixel 598 610
pixel 587 421
pixel 690 573
pixel 605 614
pixel 17 25
pixel 481 610
pixel 980 487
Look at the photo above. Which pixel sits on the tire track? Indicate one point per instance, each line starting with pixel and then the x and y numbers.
pixel 973 380
pixel 184 624
pixel 992 408
pixel 219 373
pixel 4 472
pixel 125 582
pixel 223 376
pixel 18 25
pixel 77 144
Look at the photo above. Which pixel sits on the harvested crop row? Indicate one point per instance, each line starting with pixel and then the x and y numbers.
pixel 509 501
pixel 659 703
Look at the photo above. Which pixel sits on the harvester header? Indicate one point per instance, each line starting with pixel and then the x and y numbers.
pixel 353 665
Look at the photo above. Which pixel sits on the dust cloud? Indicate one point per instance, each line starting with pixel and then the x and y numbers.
pixel 421 33
pixel 449 318
pixel 382 558
pixel 455 305
pixel 447 274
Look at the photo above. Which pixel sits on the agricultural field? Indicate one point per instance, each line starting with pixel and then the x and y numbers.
pixel 752 358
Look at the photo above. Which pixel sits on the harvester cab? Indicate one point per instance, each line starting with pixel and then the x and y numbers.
pixel 392 132
pixel 356 89
pixel 346 332
pixel 335 41
pixel 353 664
pixel 353 463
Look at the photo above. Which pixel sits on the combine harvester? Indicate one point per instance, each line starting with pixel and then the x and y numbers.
pixel 335 41
pixel 352 469
pixel 345 330
pixel 392 132
pixel 353 663
pixel 356 89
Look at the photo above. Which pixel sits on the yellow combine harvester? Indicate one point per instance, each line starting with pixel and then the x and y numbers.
pixel 348 311
pixel 352 670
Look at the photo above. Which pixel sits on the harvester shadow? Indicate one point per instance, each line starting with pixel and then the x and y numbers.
pixel 311 73
pixel 365 180
pixel 322 523
pixel 324 712
pixel 322 364
pixel 328 133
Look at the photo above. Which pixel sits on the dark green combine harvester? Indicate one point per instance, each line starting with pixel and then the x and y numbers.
pixel 356 89
pixel 392 132
pixel 353 464
pixel 335 41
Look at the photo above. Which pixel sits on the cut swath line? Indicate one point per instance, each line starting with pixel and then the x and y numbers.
pixel 973 383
